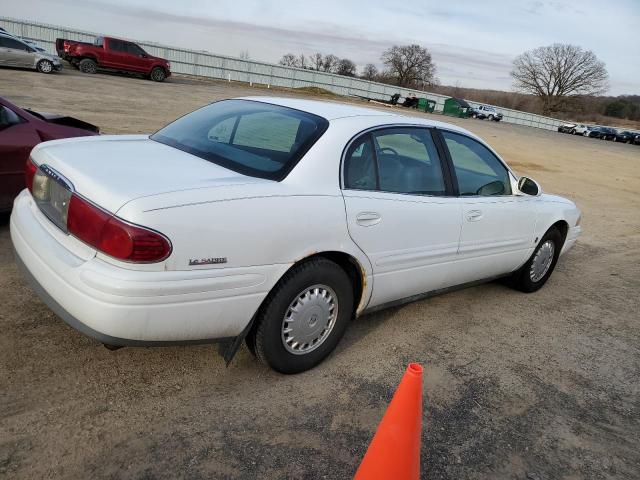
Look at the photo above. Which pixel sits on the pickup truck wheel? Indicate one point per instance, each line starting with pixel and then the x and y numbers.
pixel 304 317
pixel 87 66
pixel 535 273
pixel 158 74
pixel 44 66
pixel 491 117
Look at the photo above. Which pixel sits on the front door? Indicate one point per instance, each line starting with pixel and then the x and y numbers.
pixel 497 226
pixel 399 212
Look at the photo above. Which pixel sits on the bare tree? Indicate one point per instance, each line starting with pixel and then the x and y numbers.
pixel 330 63
pixel 370 72
pixel 317 61
pixel 346 67
pixel 557 72
pixel 302 61
pixel 289 60
pixel 409 65
pixel 244 55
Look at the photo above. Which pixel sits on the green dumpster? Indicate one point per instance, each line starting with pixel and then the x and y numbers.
pixel 456 107
pixel 426 105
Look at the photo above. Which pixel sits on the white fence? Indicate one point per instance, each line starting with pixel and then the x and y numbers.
pixel 206 64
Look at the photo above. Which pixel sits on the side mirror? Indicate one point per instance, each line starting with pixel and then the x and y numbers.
pixel 529 187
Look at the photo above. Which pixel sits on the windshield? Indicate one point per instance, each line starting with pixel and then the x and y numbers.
pixel 250 137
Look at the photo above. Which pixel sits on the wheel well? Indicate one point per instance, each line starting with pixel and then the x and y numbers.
pixel 352 268
pixel 563 228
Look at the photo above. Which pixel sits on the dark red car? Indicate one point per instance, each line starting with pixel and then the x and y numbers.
pixel 20 131
pixel 113 54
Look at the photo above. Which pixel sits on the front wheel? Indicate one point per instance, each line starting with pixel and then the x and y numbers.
pixel 158 74
pixel 44 66
pixel 304 317
pixel 535 273
pixel 491 117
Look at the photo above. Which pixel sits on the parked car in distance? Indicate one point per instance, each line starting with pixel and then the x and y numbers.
pixel 566 128
pixel 624 136
pixel 581 129
pixel 276 218
pixel 113 54
pixel 15 52
pixel 20 131
pixel 603 133
pixel 486 111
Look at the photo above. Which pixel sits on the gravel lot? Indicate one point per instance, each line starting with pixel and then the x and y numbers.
pixel 540 386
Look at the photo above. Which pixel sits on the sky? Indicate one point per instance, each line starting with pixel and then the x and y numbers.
pixel 473 42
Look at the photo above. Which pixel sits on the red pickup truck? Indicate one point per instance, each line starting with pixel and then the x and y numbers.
pixel 112 54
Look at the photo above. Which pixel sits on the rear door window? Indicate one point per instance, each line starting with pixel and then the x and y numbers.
pixel 408 161
pixel 395 160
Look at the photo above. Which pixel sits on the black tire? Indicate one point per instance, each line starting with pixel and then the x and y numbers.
pixel 266 338
pixel 45 66
pixel 572 132
pixel 522 279
pixel 491 117
pixel 87 65
pixel 158 74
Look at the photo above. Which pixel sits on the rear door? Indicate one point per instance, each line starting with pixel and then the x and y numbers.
pixel 17 138
pixel 399 211
pixel 114 54
pixel 497 226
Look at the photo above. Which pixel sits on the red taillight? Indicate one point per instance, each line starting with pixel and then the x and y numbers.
pixel 29 172
pixel 113 236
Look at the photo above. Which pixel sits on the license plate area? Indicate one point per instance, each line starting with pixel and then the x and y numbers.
pixel 52 194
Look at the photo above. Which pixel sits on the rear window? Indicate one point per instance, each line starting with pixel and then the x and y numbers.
pixel 253 138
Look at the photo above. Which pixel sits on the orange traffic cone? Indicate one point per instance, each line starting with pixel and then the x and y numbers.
pixel 394 452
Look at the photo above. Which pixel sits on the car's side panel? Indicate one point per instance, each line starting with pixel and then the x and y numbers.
pixel 264 229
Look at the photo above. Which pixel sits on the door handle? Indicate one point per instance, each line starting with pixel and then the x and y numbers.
pixel 474 215
pixel 368 219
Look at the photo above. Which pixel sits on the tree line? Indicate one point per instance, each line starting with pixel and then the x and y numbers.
pixel 409 66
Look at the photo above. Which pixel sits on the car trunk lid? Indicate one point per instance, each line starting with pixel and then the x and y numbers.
pixel 113 170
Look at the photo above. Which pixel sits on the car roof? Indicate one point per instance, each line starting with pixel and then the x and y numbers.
pixel 334 111
pixel 325 109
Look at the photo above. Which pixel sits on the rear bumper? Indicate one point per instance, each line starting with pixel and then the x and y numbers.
pixel 129 307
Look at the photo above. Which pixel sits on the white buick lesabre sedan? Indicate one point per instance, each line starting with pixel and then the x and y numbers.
pixel 274 219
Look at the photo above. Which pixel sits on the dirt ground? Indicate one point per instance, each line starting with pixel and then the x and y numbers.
pixel 531 387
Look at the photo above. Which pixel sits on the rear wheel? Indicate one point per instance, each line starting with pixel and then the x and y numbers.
pixel 535 273
pixel 491 117
pixel 88 66
pixel 158 74
pixel 44 66
pixel 304 317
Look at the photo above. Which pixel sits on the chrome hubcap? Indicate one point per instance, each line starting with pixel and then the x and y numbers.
pixel 46 67
pixel 309 319
pixel 542 261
